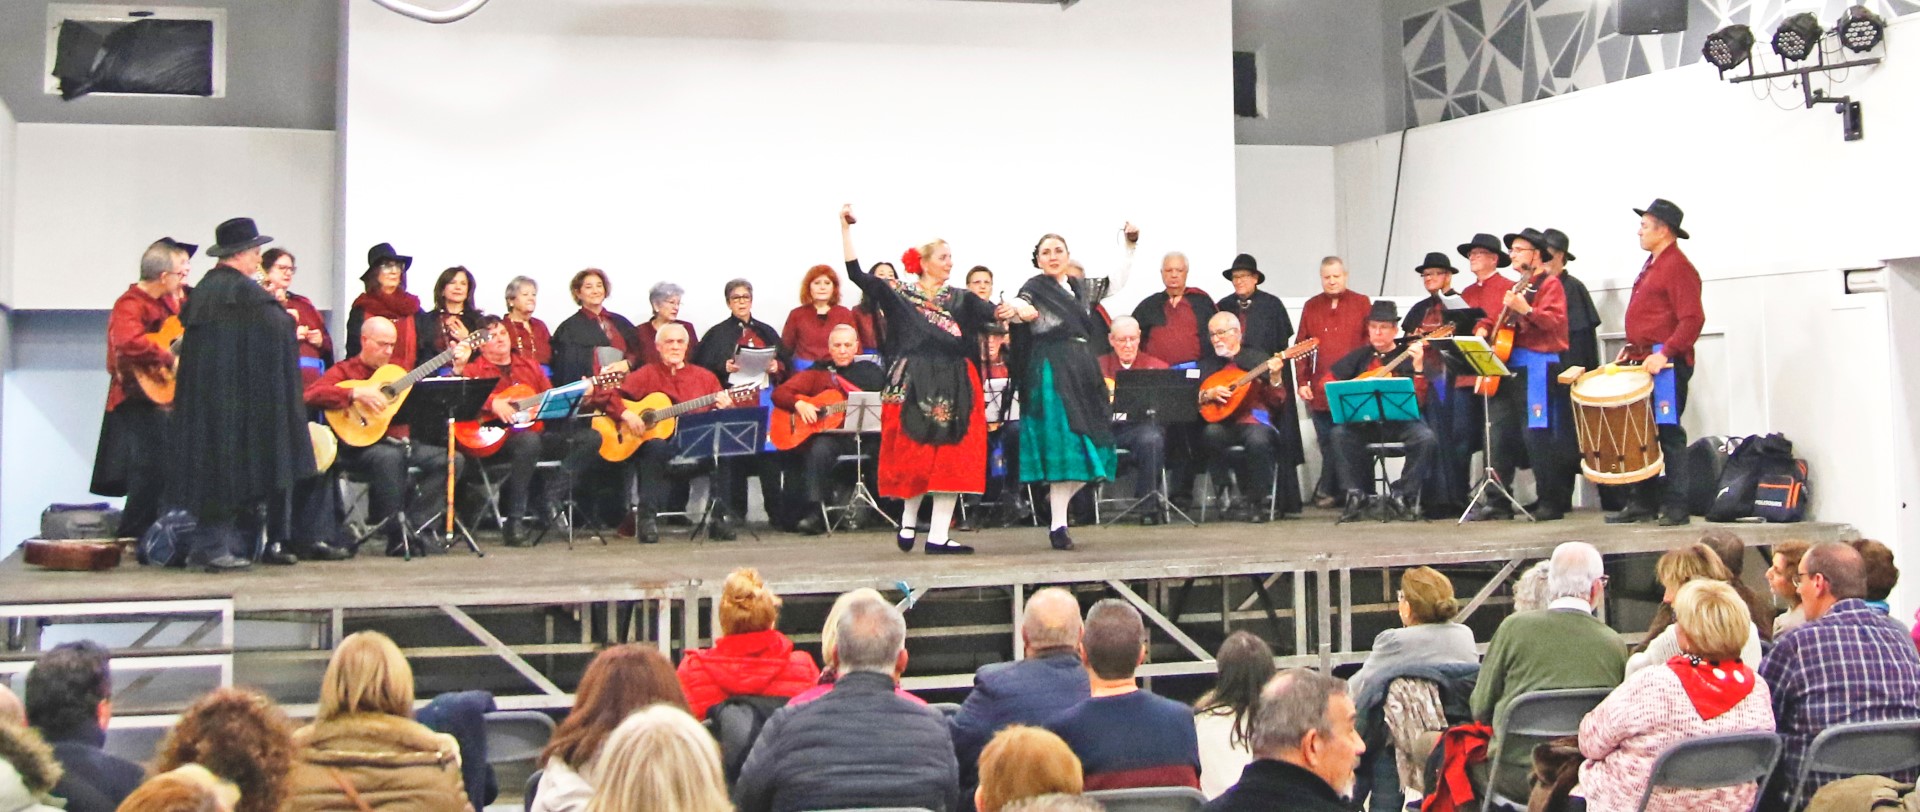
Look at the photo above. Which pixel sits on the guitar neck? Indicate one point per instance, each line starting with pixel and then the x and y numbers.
pixel 683 407
pixel 404 382
pixel 1258 370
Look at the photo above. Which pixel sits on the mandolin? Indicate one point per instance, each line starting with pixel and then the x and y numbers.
pixel 657 414
pixel 786 431
pixel 1236 381
pixel 360 428
pixel 483 438
pixel 1386 369
pixel 1502 340
pixel 157 382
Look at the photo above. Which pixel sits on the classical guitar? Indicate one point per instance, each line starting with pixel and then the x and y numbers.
pixel 483 438
pixel 1502 341
pixel 787 431
pixel 157 382
pixel 1236 381
pixel 657 416
pixel 1386 369
pixel 76 555
pixel 359 427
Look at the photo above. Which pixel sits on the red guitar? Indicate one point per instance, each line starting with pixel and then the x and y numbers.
pixel 1236 381
pixel 787 431
pixel 483 438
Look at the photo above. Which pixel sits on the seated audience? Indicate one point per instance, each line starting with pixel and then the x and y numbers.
pixel 1305 747
pixel 661 760
pixel 69 700
pixel 1733 553
pixel 1530 589
pixel 1704 690
pixel 1025 762
pixel 1879 571
pixel 1675 569
pixel 860 745
pixel 191 788
pixel 364 744
pixel 1126 737
pixel 1431 647
pixel 1029 691
pixel 1562 646
pixel 1223 717
pixel 28 769
pixel 751 658
pixel 830 647
pixel 239 735
pixel 618 683
pixel 1056 802
pixel 1780 577
pixel 1848 664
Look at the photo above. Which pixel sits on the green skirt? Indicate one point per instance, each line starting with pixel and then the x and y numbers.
pixel 1050 451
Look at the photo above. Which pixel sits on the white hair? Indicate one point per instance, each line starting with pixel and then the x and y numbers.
pixel 1124 321
pixel 1530 592
pixel 843 326
pixel 1223 318
pixel 1576 565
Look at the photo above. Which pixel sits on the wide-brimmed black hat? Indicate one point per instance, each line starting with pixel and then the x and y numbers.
pixel 1384 310
pixel 1435 259
pixel 1489 242
pixel 188 247
pixel 382 253
pixel 1531 235
pixel 236 235
pixel 1245 262
pixel 1558 242
pixel 1664 211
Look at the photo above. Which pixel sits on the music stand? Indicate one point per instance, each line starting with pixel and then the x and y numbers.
pixel 1373 400
pixel 445 400
pixel 1480 360
pixel 863 418
pixel 1160 397
pixel 711 435
pixel 557 405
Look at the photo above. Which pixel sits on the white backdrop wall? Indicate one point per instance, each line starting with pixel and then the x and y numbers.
pixel 9 142
pixel 699 141
pixel 1286 217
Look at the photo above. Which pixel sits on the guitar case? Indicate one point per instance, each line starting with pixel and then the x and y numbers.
pixel 78 555
pixel 95 520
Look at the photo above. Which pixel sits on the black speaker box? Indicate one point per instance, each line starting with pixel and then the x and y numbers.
pixel 1638 17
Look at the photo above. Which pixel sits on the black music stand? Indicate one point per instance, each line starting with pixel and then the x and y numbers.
pixel 444 401
pixel 1479 359
pixel 1161 397
pixel 863 418
pixel 713 435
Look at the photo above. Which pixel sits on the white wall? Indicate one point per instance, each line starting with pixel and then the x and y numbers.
pixel 89 198
pixel 9 140
pixel 1319 68
pixel 704 140
pixel 1286 216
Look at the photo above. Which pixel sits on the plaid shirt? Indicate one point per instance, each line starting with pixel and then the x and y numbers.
pixel 1852 665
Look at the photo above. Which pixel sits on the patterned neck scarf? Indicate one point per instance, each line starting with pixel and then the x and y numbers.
pixel 1714 688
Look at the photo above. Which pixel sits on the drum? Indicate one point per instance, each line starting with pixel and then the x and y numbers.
pixel 1613 415
pixel 325 446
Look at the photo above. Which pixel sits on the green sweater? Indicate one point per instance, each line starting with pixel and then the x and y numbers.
pixel 1540 651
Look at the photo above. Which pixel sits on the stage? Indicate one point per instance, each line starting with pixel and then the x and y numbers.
pixel 1300 583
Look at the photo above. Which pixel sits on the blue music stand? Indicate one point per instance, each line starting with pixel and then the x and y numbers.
pixel 714 435
pixel 1373 400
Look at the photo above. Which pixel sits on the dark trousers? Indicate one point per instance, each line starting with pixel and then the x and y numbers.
pixel 652 466
pixel 1329 482
pixel 1147 444
pixel 1668 492
pixel 308 513
pixel 1455 421
pixel 1356 463
pixel 1543 450
pixel 1255 467
pixel 145 437
pixel 523 452
pixel 383 466
pixel 808 470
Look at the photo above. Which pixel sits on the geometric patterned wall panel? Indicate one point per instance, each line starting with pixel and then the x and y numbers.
pixel 1478 55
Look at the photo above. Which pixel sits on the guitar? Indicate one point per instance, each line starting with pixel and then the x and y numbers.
pixel 787 431
pixel 157 382
pixel 657 415
pixel 483 438
pixel 1502 339
pixel 360 428
pixel 1386 369
pixel 1236 381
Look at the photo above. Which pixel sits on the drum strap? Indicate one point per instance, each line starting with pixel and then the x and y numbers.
pixel 1666 399
pixel 1536 364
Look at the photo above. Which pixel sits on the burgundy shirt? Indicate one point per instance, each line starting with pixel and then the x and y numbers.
pixel 1544 329
pixel 1486 296
pixel 308 316
pixel 531 340
pixel 1177 341
pixel 135 314
pixel 1341 330
pixel 650 354
pixel 326 393
pixel 1665 308
pixel 806 330
pixel 680 385
pixel 1110 363
pixel 519 369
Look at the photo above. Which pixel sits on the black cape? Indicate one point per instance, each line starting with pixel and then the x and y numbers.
pixel 1063 337
pixel 238 431
pixel 721 341
pixel 576 338
pixel 1583 320
pixel 927 364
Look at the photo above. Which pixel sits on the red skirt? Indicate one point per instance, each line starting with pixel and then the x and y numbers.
pixel 909 468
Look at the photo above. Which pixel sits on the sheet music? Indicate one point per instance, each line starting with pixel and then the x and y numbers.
pixel 753 363
pixel 1454 301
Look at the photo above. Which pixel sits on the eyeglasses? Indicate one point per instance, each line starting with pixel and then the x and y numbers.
pixel 1227 332
pixel 1798 577
pixel 740 297
pixel 287 268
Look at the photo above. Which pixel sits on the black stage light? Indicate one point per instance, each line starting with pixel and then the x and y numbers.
pixel 1728 47
pixel 1798 36
pixel 1860 29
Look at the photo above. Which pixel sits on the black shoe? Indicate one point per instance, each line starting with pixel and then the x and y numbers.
pixel 811 525
pixel 514 536
pixel 904 538
pixel 226 563
pixel 719 530
pixel 1356 508
pixel 322 551
pixel 1059 539
pixel 647 529
pixel 277 555
pixel 1672 518
pixel 1631 514
pixel 949 548
pixel 1547 513
pixel 1490 513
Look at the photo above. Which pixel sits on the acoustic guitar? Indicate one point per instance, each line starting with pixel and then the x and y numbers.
pixel 1504 328
pixel 1386 369
pixel 787 431
pixel 158 382
pixel 658 415
pixel 484 438
pixel 75 555
pixel 1236 381
pixel 359 427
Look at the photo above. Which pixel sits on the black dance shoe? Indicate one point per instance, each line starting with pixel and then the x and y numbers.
pixel 949 548
pixel 322 551
pixel 904 539
pixel 1059 539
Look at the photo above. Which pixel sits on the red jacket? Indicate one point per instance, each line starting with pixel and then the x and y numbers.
pixel 751 664
pixel 1544 328
pixel 135 314
pixel 1665 308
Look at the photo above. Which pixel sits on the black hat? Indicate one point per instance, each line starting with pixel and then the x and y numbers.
pixel 1245 262
pixel 1531 235
pixel 1384 310
pixel 188 247
pixel 1556 241
pixel 1435 259
pixel 1489 242
pixel 383 253
pixel 1664 211
pixel 236 235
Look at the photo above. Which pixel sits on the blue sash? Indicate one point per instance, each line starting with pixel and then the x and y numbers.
pixel 547 371
pixel 1666 402
pixel 314 364
pixel 1186 366
pixel 1536 364
pixel 802 364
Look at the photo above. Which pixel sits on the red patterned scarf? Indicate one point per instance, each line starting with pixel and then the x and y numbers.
pixel 1714 688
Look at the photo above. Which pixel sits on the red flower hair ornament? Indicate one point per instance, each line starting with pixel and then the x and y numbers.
pixel 911 261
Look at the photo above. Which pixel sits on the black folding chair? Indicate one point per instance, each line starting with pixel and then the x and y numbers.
pixel 1861 748
pixel 1535 717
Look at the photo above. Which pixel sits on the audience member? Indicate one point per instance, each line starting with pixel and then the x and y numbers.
pixel 1024 762
pixel 364 748
pixel 1223 718
pixel 69 700
pixel 1056 802
pixel 1126 737
pixel 1780 578
pixel 1029 691
pixel 1430 647
pixel 1306 747
pixel 661 760
pixel 1675 569
pixel 619 682
pixel 10 708
pixel 1704 690
pixel 1562 646
pixel 1530 590
pixel 859 745
pixel 1733 553
pixel 1880 573
pixel 239 735
pixel 190 788
pixel 830 646
pixel 1848 664
pixel 751 658
pixel 28 770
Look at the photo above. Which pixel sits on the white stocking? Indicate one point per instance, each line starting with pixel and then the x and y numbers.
pixel 1059 494
pixel 909 515
pixel 943 504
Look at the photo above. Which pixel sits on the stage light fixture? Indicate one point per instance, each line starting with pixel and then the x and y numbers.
pixel 1798 37
pixel 1728 47
pixel 1860 29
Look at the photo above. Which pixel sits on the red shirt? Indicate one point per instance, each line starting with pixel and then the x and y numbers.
pixel 807 330
pixel 1110 363
pixel 1544 329
pixel 1665 308
pixel 650 354
pixel 870 327
pixel 531 339
pixel 135 314
pixel 680 385
pixel 809 383
pixel 1486 296
pixel 1341 330
pixel 1178 340
pixel 325 392
pixel 519 370
pixel 306 315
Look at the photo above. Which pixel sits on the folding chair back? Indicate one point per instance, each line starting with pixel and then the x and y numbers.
pixel 1710 762
pixel 1861 748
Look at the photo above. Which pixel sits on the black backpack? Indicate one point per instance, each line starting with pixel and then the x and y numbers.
pixel 168 541
pixel 1781 494
pixel 736 723
pixel 1706 460
pixel 1761 457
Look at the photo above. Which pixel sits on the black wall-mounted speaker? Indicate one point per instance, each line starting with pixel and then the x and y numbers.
pixel 1638 17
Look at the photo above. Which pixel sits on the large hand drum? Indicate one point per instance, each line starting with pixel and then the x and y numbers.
pixel 1613 415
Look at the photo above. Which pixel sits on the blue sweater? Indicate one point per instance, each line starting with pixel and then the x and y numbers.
pixel 1136 739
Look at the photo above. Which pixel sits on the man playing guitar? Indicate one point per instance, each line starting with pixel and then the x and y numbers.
pixel 808 467
pixel 520 376
pixel 680 382
pixel 1242 428
pixel 1528 408
pixel 1350 440
pixel 133 435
